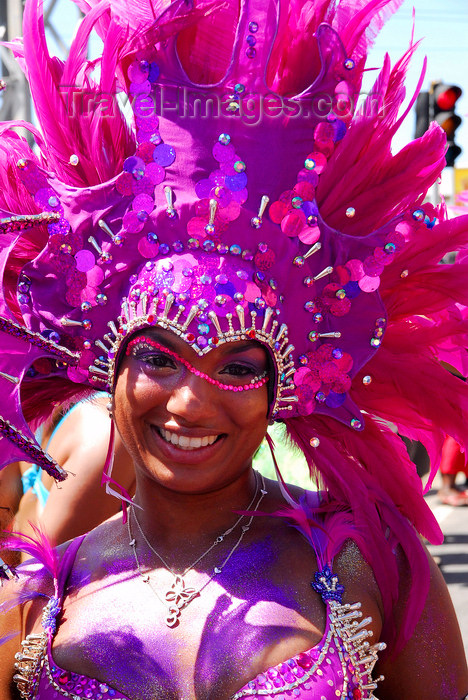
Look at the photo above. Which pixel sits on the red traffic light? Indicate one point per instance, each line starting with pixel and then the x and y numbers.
pixel 446 96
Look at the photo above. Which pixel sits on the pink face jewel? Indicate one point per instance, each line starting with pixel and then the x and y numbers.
pixel 255 383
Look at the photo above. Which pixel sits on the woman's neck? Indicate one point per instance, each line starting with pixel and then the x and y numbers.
pixel 173 519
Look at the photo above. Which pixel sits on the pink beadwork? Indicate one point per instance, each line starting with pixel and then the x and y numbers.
pixel 256 383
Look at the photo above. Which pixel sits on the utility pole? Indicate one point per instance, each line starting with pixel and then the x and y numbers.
pixel 15 99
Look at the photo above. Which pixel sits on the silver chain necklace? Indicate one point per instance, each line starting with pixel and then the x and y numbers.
pixel 178 596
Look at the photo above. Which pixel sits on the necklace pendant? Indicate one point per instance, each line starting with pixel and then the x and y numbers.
pixel 178 597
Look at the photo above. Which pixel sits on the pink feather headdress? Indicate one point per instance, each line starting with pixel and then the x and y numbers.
pixel 246 196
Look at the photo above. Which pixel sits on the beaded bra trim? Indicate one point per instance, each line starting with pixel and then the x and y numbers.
pixel 344 625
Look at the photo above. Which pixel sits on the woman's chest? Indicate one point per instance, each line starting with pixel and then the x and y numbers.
pixel 224 637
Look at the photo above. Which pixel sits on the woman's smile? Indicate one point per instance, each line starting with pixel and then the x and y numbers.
pixel 186 442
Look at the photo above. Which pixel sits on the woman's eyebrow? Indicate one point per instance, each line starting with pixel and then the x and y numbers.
pixel 242 347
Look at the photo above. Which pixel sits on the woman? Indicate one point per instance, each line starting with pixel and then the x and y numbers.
pixel 217 274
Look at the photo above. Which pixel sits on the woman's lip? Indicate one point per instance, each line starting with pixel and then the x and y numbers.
pixel 178 454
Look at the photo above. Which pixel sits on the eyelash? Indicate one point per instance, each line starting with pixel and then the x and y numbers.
pixel 156 360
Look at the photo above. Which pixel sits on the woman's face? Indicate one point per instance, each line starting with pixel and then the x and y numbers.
pixel 181 430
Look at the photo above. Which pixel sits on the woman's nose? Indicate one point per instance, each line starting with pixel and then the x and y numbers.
pixel 193 399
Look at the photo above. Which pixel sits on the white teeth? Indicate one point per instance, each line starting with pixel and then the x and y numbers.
pixel 187 443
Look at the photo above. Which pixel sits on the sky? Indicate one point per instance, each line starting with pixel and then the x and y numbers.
pixel 441 24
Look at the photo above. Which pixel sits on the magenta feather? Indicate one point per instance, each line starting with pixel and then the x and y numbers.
pixel 39 547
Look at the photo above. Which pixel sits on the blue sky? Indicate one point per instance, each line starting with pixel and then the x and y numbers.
pixel 443 26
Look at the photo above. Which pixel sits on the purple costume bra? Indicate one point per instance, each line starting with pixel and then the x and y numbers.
pixel 339 666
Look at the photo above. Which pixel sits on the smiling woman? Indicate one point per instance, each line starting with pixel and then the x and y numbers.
pixel 191 426
pixel 215 275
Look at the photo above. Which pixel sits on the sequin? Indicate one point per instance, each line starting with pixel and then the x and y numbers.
pixel 85 260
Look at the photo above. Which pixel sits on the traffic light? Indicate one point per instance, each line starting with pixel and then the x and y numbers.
pixel 442 103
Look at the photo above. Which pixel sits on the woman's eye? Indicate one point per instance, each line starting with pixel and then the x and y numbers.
pixel 154 359
pixel 239 370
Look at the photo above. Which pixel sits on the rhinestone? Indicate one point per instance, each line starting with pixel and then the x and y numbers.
pixel 356 424
pixel 350 212
pixel 239 166
pixel 225 139
pixel 375 342
pixel 85 306
pixel 349 64
pixel 74 160
pixel 105 257
pixel 256 222
pixel 314 442
pixel 235 249
pixel 299 261
pixel 419 215
pixel 313 336
pixel 239 88
pixel 208 245
pixel 367 379
pixel 101 299
pixel 308 281
pixel 253 27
